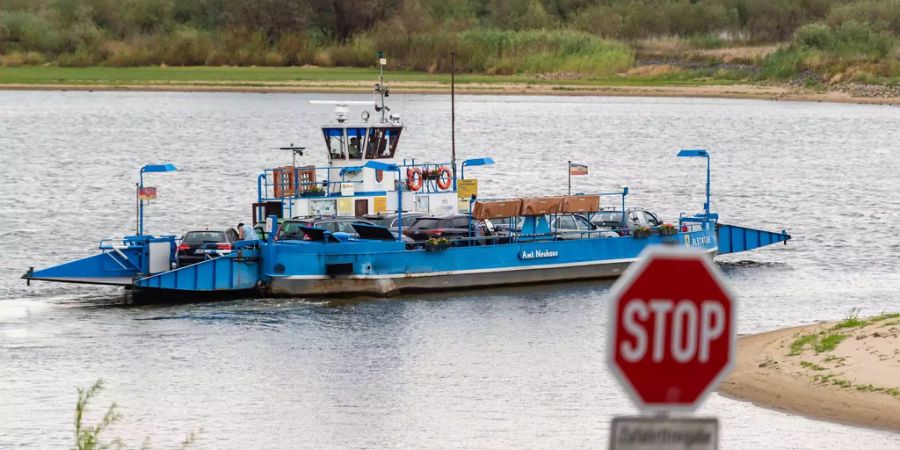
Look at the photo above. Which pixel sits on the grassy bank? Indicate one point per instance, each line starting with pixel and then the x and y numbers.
pixel 583 41
pixel 261 76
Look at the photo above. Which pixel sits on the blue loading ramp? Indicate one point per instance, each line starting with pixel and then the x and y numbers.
pixel 232 272
pixel 733 239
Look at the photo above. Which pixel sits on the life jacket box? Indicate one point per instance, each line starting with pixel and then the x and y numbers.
pixel 496 209
pixel 540 206
pixel 581 204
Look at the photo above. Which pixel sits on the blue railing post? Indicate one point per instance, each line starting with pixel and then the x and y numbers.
pixel 399 187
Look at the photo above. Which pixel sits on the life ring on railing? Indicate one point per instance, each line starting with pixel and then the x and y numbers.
pixel 414 178
pixel 444 185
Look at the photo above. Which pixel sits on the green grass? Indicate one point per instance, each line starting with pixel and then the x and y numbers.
pixel 828 342
pixel 798 345
pixel 89 437
pixel 261 76
pixel 811 366
pixel 834 380
pixel 820 342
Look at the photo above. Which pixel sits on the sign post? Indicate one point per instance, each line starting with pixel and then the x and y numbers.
pixel 672 340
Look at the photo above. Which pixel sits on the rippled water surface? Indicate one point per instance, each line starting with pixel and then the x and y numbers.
pixel 515 368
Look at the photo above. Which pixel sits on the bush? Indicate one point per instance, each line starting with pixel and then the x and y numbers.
pixel 505 51
pixel 24 31
pixel 15 59
pixel 882 15
pixel 815 35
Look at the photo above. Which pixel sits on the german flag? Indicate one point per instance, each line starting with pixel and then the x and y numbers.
pixel 578 169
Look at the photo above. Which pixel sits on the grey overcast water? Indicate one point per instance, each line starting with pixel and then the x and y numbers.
pixel 502 368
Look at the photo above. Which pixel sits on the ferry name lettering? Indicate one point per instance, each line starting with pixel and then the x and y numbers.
pixel 537 254
pixel 700 241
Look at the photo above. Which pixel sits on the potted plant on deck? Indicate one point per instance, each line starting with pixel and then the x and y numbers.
pixel 641 232
pixel 314 191
pixel 667 229
pixel 437 244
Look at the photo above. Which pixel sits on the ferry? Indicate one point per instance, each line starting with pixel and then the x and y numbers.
pixel 498 241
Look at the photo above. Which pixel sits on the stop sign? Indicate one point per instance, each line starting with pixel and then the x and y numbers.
pixel 672 328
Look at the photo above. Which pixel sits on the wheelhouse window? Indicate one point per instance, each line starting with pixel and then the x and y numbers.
pixel 356 138
pixel 334 140
pixel 382 142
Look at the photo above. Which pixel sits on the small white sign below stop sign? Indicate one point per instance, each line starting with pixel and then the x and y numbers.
pixel 672 328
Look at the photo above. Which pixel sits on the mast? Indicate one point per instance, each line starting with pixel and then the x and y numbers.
pixel 380 89
pixel 453 116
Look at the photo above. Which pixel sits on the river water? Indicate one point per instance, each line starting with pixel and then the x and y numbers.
pixel 501 368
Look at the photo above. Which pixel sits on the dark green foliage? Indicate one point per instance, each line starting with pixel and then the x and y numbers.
pixel 495 36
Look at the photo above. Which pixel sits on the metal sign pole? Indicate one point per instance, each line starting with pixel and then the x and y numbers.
pixel 569 170
pixel 137 208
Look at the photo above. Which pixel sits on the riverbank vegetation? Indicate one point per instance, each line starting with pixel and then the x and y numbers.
pixel 814 41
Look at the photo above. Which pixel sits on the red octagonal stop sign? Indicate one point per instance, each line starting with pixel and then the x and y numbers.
pixel 672 328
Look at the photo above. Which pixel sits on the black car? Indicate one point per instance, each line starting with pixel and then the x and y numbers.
pixel 390 220
pixel 338 224
pixel 201 245
pixel 455 226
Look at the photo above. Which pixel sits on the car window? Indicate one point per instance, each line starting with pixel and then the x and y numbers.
pixel 346 227
pixel 204 236
pixel 407 221
pixel 651 219
pixel 460 222
pixel 232 234
pixel 583 224
pixel 613 218
pixel 330 226
pixel 565 222
pixel 428 223
pixel 633 217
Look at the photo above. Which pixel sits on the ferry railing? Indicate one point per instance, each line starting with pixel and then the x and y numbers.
pixel 266 186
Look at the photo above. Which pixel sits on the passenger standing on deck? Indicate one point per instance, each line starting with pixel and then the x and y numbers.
pixel 246 233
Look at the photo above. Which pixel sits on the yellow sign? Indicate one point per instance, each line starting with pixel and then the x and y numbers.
pixel 380 205
pixel 465 189
pixel 345 206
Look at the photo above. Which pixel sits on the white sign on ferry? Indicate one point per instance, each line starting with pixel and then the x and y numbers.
pixel 698 241
pixel 538 254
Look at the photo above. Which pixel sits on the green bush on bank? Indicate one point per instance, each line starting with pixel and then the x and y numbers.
pixel 497 51
pixel 849 51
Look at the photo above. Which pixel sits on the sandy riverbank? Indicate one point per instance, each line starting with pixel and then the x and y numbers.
pixel 758 92
pixel 793 370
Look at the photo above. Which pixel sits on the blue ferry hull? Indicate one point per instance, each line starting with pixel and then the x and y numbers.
pixel 384 268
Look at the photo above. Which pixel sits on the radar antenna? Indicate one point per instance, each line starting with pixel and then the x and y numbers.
pixel 297 151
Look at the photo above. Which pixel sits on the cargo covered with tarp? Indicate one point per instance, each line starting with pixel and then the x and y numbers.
pixel 496 209
pixel 540 206
pixel 581 204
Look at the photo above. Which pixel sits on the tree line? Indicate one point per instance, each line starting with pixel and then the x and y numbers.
pixel 499 36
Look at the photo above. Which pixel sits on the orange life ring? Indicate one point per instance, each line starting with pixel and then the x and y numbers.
pixel 444 185
pixel 414 178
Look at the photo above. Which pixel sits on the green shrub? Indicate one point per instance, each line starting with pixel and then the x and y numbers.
pixel 815 35
pixel 505 51
pixel 186 47
pixel 16 58
pixel 24 31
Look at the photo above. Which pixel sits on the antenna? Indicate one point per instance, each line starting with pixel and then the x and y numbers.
pixel 297 151
pixel 380 88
